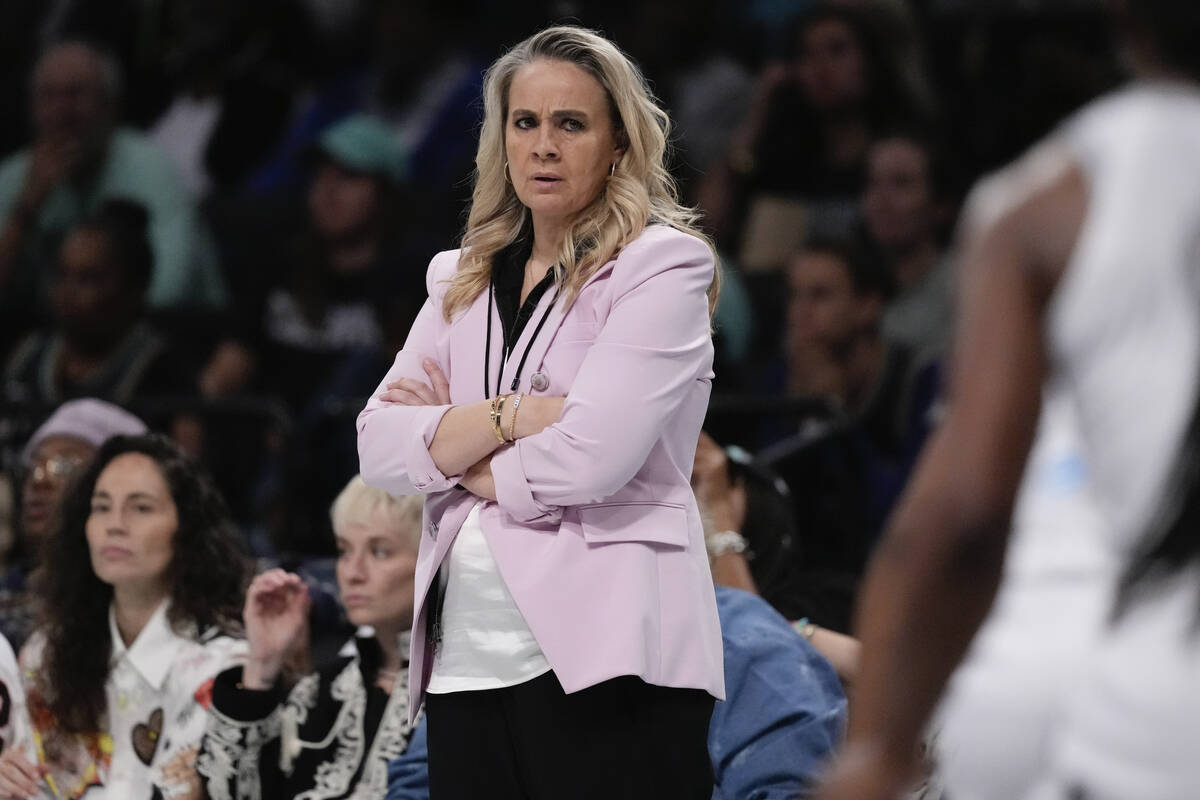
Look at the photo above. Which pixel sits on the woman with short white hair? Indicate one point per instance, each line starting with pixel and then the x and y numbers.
pixel 334 733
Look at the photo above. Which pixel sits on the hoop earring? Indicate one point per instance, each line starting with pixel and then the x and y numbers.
pixel 612 170
pixel 506 175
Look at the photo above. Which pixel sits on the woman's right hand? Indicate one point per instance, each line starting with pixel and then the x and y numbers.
pixel 19 777
pixel 276 614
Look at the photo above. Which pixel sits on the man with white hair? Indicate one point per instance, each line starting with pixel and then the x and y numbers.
pixel 80 157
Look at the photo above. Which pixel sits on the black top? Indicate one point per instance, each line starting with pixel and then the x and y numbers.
pixel 306 320
pixel 142 365
pixel 508 272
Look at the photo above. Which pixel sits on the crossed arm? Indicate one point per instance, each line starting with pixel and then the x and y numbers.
pixel 466 439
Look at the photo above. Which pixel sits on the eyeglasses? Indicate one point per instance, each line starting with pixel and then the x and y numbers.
pixel 55 469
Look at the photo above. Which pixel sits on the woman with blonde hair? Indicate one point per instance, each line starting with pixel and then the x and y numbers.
pixel 332 734
pixel 547 404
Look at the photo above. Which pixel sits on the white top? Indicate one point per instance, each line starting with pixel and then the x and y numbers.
pixel 183 132
pixel 485 641
pixel 1123 336
pixel 158 691
pixel 993 727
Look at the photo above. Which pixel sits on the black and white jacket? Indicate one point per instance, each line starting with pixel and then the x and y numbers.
pixel 330 738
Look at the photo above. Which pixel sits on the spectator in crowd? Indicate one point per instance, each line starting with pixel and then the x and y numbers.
pixel 338 290
pixel 59 449
pixel 265 741
pixel 734 545
pixel 146 586
pixel 836 351
pixel 846 465
pixel 320 315
pixel 797 161
pixel 230 88
pixel 906 209
pixel 784 709
pixel 420 71
pixel 79 158
pixel 100 344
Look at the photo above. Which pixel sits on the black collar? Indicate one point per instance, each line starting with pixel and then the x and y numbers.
pixel 509 275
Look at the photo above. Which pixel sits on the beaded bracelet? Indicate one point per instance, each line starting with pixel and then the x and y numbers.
pixel 512 426
pixel 805 628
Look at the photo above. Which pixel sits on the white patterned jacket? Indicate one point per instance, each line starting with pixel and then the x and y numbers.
pixel 330 738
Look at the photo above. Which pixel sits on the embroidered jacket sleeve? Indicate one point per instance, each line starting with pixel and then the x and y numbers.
pixel 330 737
pixel 239 754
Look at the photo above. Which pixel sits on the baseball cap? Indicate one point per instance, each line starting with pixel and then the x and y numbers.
pixel 364 144
pixel 88 419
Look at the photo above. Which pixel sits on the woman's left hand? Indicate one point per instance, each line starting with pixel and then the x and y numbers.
pixel 180 772
pixel 412 392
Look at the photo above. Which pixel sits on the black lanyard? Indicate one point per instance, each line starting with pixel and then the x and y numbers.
pixel 507 348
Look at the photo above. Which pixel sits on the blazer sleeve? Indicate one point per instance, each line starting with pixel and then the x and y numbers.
pixel 393 441
pixel 654 345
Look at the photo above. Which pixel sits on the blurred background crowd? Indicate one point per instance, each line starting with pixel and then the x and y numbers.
pixel 218 215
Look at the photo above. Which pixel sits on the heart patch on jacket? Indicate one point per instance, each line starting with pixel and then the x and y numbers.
pixel 146 736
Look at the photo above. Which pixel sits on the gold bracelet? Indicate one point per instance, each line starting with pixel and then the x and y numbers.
pixel 512 426
pixel 497 410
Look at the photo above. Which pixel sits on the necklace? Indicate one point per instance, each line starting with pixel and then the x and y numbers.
pixel 506 346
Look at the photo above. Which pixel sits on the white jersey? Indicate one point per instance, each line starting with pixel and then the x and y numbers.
pixel 993 729
pixel 1124 335
pixel 1124 325
pixel 1052 700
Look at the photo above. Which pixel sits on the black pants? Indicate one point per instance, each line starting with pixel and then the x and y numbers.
pixel 623 739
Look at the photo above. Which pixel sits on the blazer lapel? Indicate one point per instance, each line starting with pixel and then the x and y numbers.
pixel 468 345
pixel 545 338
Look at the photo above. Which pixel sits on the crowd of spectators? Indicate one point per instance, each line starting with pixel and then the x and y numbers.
pixel 218 215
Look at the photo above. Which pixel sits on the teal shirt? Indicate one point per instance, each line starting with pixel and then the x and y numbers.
pixel 186 271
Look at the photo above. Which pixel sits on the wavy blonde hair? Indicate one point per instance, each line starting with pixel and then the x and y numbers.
pixel 640 190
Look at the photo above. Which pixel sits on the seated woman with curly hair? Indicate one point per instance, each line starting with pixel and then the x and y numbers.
pixel 142 588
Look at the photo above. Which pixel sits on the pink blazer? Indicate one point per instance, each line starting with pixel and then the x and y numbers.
pixel 596 530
